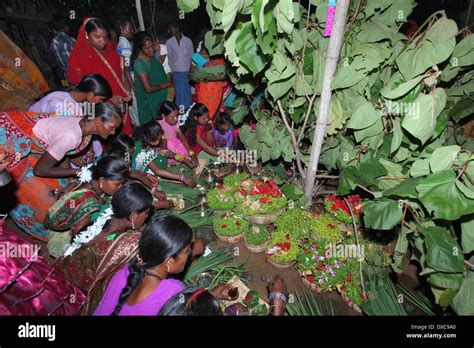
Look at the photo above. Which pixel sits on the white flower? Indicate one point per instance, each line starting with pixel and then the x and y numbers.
pixel 90 233
pixel 85 175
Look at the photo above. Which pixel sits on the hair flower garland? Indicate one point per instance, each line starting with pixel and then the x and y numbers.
pixel 90 233
pixel 85 175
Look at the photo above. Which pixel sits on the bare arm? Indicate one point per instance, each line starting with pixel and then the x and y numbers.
pixel 47 167
pixel 169 175
pixel 206 147
pixel 148 87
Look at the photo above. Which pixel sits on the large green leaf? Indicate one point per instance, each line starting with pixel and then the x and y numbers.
pixel 187 5
pixel 284 14
pixel 373 31
pixel 463 108
pixel 421 122
pixel 248 51
pixel 435 47
pixel 262 132
pixel 230 9
pixel 348 75
pixel 467 234
pixel 420 167
pixel 337 116
pixel 382 214
pixel 369 132
pixel 463 302
pixel 264 23
pixel 397 136
pixel 443 157
pixel 214 43
pixel 365 174
pixel 443 253
pixel 446 280
pixel 463 54
pixel 399 90
pixel 438 189
pixel 364 116
pixel 407 188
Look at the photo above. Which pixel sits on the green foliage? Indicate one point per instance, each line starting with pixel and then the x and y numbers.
pixel 395 123
pixel 288 247
pixel 230 224
pixel 221 199
pixel 325 227
pixel 295 222
pixel 257 235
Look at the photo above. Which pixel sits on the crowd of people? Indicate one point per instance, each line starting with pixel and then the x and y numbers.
pixel 82 170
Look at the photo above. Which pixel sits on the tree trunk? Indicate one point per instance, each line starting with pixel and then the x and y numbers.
pixel 335 44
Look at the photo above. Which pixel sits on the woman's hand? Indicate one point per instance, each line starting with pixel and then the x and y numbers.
pixel 160 195
pixel 189 163
pixel 189 182
pixel 161 204
pixel 278 285
pixel 198 247
pixel 78 161
pixel 221 292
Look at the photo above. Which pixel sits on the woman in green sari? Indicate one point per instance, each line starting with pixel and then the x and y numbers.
pixel 151 81
pixel 80 207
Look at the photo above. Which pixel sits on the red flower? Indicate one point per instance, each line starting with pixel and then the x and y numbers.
pixel 310 278
pixel 220 186
pixel 264 199
pixel 284 246
pixel 223 216
pixel 349 278
pixel 224 226
pixel 331 226
pixel 320 267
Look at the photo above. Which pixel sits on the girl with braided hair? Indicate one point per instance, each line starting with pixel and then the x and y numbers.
pixel 144 286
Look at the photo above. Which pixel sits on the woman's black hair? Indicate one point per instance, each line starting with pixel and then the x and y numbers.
pixel 222 119
pixel 93 24
pixel 163 237
pixel 189 127
pixel 148 132
pixel 166 108
pixel 188 303
pixel 107 112
pixel 110 168
pixel 96 84
pixel 115 152
pixel 122 142
pixel 139 41
pixel 132 197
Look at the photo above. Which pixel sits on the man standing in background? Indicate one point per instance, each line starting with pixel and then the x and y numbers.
pixel 61 46
pixel 180 51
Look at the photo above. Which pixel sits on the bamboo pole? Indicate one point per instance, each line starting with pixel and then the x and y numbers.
pixel 335 44
pixel 141 23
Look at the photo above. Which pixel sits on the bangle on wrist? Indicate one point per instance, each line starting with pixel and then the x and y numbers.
pixel 277 295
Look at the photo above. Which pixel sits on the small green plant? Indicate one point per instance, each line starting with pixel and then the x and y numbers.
pixel 325 227
pixel 234 180
pixel 295 222
pixel 257 235
pixel 230 224
pixel 282 248
pixel 220 198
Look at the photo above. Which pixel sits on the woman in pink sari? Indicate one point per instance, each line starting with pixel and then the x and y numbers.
pixel 173 139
